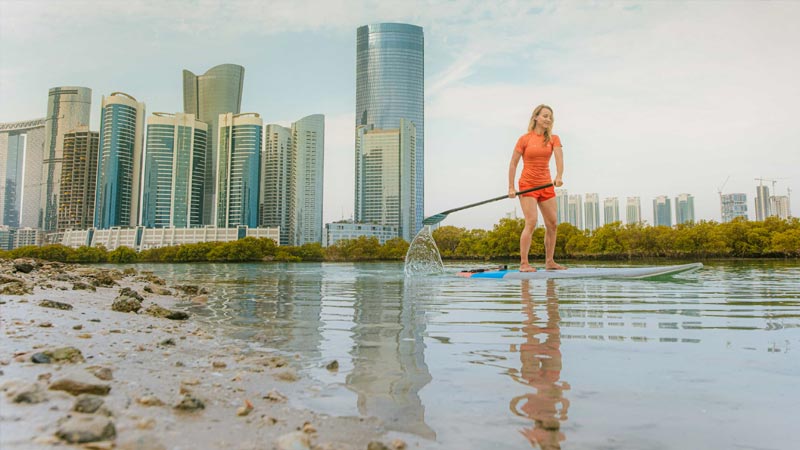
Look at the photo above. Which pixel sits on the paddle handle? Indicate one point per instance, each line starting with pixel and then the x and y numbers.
pixel 496 199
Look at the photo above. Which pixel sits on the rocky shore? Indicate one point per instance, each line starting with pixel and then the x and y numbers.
pixel 101 359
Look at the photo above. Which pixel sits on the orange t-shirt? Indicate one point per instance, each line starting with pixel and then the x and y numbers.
pixel 536 158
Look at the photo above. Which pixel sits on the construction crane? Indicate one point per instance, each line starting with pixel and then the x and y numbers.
pixel 773 181
pixel 719 189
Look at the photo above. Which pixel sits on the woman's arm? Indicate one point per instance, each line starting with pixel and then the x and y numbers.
pixel 559 166
pixel 512 173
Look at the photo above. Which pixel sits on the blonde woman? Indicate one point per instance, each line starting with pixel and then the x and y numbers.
pixel 535 148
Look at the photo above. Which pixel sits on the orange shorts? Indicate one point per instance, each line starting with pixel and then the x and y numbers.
pixel 540 195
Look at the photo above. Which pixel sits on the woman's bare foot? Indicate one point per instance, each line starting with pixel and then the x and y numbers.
pixel 554 266
pixel 525 267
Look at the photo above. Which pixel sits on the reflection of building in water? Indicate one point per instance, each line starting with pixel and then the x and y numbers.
pixel 389 366
pixel 540 355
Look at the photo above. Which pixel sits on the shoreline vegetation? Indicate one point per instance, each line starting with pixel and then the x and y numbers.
pixel 771 238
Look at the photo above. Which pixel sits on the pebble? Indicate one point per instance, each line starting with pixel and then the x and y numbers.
pixel 28 393
pixel 87 403
pixel 79 428
pixel 80 382
pixel 333 366
pixel 246 409
pixel 149 400
pixel 55 304
pixel 190 403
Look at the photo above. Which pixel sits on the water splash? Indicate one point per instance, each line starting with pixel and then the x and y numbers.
pixel 423 256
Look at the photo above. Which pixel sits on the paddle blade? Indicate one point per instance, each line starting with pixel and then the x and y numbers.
pixel 434 219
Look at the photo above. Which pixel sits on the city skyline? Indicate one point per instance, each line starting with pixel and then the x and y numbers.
pixel 484 73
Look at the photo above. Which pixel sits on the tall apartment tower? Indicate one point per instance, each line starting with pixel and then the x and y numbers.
pixel 68 110
pixel 21 151
pixel 308 135
pixel 762 202
pixel 591 208
pixel 610 210
pixel 292 180
pixel 779 206
pixel 662 211
pixel 174 171
pixel 278 174
pixel 239 166
pixel 633 210
pixel 386 178
pixel 218 91
pixel 562 206
pixel 684 208
pixel 575 211
pixel 119 170
pixel 78 179
pixel 390 86
pixel 733 206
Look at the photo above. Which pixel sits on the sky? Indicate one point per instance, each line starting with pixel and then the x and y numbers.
pixel 650 98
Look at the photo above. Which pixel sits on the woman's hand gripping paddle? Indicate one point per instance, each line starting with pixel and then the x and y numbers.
pixel 436 218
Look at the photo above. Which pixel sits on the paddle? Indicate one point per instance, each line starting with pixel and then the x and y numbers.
pixel 436 218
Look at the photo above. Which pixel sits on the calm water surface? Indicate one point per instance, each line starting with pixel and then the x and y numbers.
pixel 705 360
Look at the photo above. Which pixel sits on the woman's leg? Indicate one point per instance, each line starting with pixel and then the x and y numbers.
pixel 549 213
pixel 528 205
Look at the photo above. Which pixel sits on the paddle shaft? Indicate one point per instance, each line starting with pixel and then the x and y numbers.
pixel 495 199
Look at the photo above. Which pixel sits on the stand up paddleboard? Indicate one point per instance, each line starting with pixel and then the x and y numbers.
pixel 582 272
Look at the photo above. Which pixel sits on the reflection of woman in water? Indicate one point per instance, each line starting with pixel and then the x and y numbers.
pixel 541 369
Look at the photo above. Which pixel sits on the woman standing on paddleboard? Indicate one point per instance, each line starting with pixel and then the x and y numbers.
pixel 535 148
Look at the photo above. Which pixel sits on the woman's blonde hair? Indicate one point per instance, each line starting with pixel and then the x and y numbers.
pixel 532 123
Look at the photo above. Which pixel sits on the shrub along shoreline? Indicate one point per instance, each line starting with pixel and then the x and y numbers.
pixel 772 238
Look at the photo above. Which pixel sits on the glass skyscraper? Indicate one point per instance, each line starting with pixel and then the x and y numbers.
pixel 390 85
pixel 684 208
pixel 21 149
pixel 662 211
pixel 633 210
pixel 562 205
pixel 239 165
pixel 308 135
pixel 385 180
pixel 575 211
pixel 174 171
pixel 278 167
pixel 218 91
pixel 591 208
pixel 610 210
pixel 119 168
pixel 68 109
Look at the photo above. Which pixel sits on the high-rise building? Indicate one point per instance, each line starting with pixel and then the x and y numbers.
pixel 218 91
pixel 308 136
pixel 119 170
pixel 68 110
pixel 762 202
pixel 684 208
pixel 386 178
pixel 733 206
pixel 174 171
pixel 662 211
pixel 610 210
pixel 239 165
pixel 292 180
pixel 562 206
pixel 779 206
pixel 21 150
pixel 633 210
pixel 78 179
pixel 278 196
pixel 390 86
pixel 575 211
pixel 591 208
